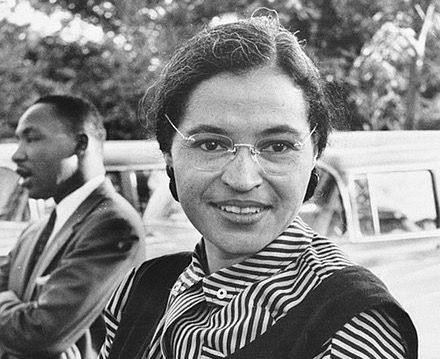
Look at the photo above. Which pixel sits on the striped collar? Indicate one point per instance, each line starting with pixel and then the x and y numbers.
pixel 222 286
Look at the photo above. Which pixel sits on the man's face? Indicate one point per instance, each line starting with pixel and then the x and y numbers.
pixel 46 156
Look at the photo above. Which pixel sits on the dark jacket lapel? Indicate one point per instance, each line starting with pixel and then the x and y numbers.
pixel 103 191
pixel 20 271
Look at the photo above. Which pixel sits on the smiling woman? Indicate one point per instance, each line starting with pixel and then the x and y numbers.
pixel 243 202
pixel 241 115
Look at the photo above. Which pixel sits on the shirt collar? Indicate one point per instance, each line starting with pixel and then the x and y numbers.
pixel 70 203
pixel 220 287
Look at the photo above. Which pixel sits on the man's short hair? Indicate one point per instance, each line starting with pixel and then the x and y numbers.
pixel 78 114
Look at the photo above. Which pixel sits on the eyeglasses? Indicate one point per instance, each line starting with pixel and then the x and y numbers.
pixel 274 154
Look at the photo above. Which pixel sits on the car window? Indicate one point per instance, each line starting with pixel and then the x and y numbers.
pixel 324 212
pixel 13 198
pixel 162 208
pixel 395 202
pixel 363 206
pixel 135 186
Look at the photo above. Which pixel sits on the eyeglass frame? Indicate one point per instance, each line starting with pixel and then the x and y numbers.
pixel 234 150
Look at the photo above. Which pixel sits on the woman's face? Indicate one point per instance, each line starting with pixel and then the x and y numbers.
pixel 240 207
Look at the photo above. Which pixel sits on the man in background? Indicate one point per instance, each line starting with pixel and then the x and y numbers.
pixel 62 270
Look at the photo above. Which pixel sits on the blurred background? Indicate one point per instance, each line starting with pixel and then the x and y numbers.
pixel 383 54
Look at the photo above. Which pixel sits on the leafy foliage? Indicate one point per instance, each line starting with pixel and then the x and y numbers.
pixel 365 46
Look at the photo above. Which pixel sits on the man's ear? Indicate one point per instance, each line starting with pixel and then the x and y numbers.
pixel 82 142
pixel 168 159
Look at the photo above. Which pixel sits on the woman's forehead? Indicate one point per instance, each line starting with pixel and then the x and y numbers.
pixel 254 84
pixel 256 100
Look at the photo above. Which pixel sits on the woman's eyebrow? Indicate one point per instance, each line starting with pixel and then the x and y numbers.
pixel 207 128
pixel 282 129
pixel 276 130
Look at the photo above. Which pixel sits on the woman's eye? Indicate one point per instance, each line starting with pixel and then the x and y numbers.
pixel 277 147
pixel 211 146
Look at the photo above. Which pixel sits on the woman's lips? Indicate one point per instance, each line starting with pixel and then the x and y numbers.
pixel 241 210
pixel 242 213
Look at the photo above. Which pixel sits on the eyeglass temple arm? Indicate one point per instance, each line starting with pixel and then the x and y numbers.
pixel 310 134
pixel 177 130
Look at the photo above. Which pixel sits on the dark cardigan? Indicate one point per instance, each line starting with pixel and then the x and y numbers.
pixel 300 334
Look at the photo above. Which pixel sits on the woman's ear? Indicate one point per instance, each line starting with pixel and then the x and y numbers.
pixel 313 183
pixel 170 172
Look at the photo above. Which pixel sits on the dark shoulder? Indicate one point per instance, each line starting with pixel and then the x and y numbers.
pixel 112 205
pixel 108 218
pixel 168 265
pixel 154 279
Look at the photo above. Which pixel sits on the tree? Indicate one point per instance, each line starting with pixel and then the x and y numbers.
pixel 21 79
pixel 416 66
pixel 364 45
pixel 391 73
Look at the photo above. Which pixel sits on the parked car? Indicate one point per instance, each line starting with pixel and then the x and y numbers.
pixel 378 198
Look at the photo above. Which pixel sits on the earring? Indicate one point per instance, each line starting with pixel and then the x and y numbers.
pixel 313 183
pixel 172 185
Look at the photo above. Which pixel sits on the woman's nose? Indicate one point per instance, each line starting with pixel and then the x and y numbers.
pixel 243 172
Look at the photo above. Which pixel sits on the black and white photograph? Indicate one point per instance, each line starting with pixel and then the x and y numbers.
pixel 207 179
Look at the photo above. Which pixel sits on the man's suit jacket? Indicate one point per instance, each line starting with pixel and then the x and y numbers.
pixel 45 311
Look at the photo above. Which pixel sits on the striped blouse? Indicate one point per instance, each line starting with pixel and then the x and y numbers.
pixel 212 316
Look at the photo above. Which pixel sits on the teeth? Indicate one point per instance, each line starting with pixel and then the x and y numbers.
pixel 241 210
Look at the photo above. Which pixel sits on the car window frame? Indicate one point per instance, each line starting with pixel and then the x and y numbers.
pixel 377 236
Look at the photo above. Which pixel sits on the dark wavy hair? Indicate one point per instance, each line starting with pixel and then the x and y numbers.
pixel 235 48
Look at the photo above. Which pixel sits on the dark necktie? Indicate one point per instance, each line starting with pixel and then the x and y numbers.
pixel 42 240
